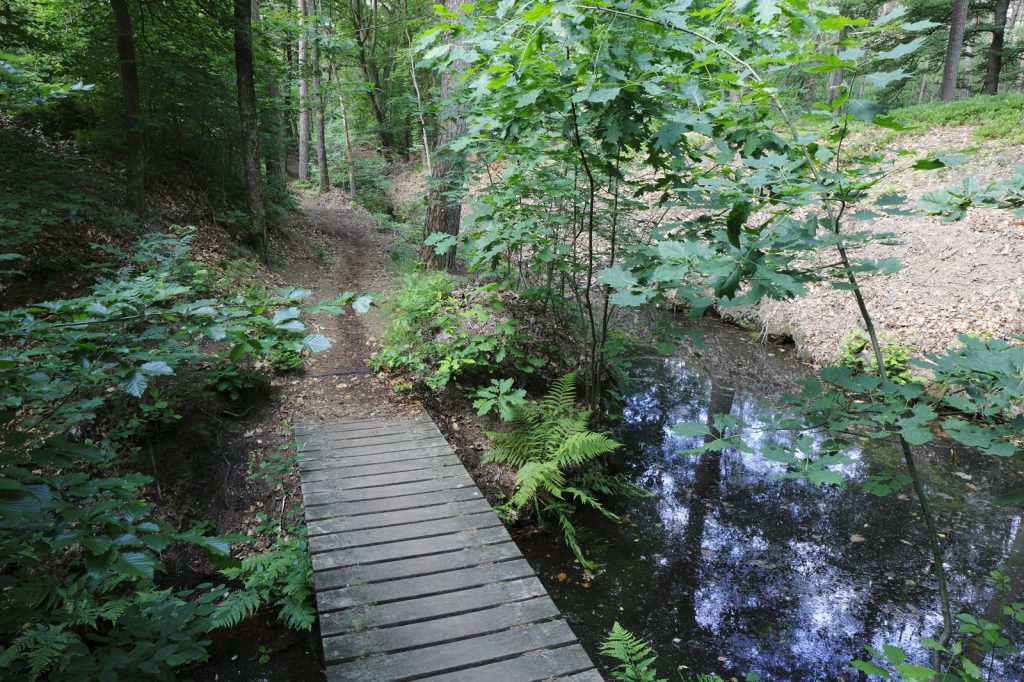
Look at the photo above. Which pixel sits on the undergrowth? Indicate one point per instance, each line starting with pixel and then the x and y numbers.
pixel 559 463
pixel 997 117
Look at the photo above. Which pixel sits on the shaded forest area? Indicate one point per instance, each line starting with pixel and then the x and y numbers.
pixel 547 178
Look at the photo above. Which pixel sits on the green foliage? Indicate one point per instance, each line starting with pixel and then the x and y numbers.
pixel 439 335
pixel 81 381
pixel 286 361
pixel 280 577
pixel 855 352
pixel 994 117
pixel 558 461
pixel 499 395
pixel 635 657
pixel 952 202
pixel 978 639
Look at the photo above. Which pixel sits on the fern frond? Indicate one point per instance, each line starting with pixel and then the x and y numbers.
pixel 234 609
pixel 635 656
pixel 297 614
pixel 581 448
pixel 561 399
pixel 569 535
pixel 589 500
pixel 532 476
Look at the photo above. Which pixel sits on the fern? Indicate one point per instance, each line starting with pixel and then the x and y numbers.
pixel 635 656
pixel 235 608
pixel 558 462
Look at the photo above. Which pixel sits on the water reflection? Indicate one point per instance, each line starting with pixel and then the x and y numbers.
pixel 727 570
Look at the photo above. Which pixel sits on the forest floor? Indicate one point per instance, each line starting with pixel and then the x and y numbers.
pixel 957 277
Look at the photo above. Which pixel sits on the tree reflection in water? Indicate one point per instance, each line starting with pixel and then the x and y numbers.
pixel 726 562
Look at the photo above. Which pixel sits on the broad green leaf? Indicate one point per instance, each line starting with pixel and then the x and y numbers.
pixel 156 367
pixel 618 277
pixel 883 78
pixel 690 429
pixel 316 343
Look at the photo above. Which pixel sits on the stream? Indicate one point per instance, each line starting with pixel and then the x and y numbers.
pixel 726 569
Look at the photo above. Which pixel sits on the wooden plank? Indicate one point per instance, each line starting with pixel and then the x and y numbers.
pixel 405 532
pixel 421 546
pixel 375 455
pixel 405 568
pixel 361 436
pixel 396 518
pixel 437 631
pixel 424 585
pixel 436 606
pixel 362 424
pixel 399 442
pixel 588 676
pixel 452 481
pixel 392 503
pixel 535 666
pixel 454 655
pixel 371 468
pixel 382 479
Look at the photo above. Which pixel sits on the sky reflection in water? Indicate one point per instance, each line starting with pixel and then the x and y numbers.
pixel 724 562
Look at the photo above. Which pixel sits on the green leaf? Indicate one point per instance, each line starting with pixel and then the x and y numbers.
pixel 362 304
pixel 871 669
pixel 618 277
pixel 864 110
pixel 883 78
pixel 690 429
pixel 766 10
pixel 135 384
pixel 734 222
pixel 156 367
pixel 902 50
pixel 316 343
pixel 136 564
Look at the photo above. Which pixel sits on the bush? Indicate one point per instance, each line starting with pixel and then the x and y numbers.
pixel 558 462
pixel 79 547
pixel 997 117
pixel 439 335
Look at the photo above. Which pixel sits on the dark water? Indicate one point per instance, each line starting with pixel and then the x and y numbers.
pixel 727 570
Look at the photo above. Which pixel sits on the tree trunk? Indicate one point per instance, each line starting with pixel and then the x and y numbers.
pixel 135 185
pixel 995 54
pixel 274 155
pixel 419 104
pixel 303 95
pixel 835 78
pixel 317 98
pixel 246 88
pixel 951 65
pixel 344 130
pixel 444 209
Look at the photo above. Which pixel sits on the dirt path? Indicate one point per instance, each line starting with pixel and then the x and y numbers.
pixel 336 246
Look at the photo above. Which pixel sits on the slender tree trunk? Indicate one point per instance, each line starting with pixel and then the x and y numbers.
pixel 835 78
pixel 247 116
pixel 419 104
pixel 951 64
pixel 995 54
pixel 317 98
pixel 924 84
pixel 300 5
pixel 444 209
pixel 348 149
pixel 136 166
pixel 344 130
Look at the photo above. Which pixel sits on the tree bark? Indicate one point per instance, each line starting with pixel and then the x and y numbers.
pixel 444 208
pixel 951 64
pixel 835 78
pixel 317 98
pixel 274 154
pixel 995 54
pixel 303 95
pixel 135 168
pixel 246 88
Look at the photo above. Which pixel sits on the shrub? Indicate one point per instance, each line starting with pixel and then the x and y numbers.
pixel 79 547
pixel 438 335
pixel 997 117
pixel 558 462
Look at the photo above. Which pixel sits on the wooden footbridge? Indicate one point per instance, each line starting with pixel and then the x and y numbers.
pixel 416 578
